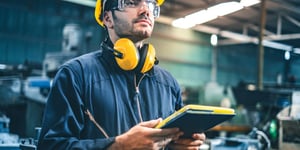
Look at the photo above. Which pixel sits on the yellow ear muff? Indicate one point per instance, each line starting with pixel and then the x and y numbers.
pixel 130 58
pixel 149 60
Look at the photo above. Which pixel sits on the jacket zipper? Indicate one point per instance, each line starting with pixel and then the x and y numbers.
pixel 137 93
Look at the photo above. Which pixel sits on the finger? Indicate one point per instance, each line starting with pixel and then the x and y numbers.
pixel 173 133
pixel 199 136
pixel 191 142
pixel 151 123
pixel 173 145
pixel 170 137
pixel 164 143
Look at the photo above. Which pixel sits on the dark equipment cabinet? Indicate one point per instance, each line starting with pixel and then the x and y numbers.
pixel 25 115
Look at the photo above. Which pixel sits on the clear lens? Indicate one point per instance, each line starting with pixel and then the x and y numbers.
pixel 151 4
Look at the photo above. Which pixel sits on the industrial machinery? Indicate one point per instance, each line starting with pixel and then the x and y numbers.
pixel 7 140
pixel 24 89
pixel 71 47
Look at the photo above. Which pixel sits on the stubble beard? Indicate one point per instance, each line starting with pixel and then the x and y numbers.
pixel 141 34
pixel 135 33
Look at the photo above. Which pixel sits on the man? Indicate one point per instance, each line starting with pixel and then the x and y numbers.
pixel 113 98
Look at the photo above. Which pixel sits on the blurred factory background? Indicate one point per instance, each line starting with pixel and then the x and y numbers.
pixel 247 59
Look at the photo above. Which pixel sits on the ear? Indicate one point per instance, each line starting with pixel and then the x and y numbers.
pixel 107 19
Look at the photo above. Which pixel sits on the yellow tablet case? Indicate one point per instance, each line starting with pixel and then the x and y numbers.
pixel 197 118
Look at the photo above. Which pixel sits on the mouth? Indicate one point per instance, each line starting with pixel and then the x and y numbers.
pixel 144 21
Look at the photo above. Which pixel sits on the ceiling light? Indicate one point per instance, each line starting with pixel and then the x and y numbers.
pixel 194 19
pixel 214 40
pixel 287 55
pixel 247 3
pixel 182 23
pixel 200 17
pixel 212 13
pixel 225 8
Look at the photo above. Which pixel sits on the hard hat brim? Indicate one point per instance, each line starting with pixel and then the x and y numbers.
pixel 98 10
pixel 160 2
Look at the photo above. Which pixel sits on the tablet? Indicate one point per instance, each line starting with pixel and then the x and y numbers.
pixel 196 118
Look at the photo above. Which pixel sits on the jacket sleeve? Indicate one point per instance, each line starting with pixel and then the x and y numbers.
pixel 64 116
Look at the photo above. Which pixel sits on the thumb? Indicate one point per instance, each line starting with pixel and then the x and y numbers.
pixel 151 123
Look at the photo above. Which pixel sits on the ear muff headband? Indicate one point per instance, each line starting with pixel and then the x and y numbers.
pixel 100 7
pixel 130 58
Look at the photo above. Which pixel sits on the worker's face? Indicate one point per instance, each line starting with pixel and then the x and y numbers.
pixel 135 22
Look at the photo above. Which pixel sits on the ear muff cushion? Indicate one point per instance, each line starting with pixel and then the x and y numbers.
pixel 147 59
pixel 130 58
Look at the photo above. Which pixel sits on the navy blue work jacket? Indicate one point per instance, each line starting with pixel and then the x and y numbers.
pixel 96 83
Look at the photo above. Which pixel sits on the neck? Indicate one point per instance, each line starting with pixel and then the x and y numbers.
pixel 137 43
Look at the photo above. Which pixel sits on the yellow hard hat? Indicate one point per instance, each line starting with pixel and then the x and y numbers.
pixel 99 10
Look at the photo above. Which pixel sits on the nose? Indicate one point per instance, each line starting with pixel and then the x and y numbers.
pixel 144 7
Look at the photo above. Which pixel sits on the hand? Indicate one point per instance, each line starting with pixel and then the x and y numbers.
pixel 144 136
pixel 188 143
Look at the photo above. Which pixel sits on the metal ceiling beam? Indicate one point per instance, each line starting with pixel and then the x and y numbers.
pixel 284 4
pixel 279 25
pixel 256 28
pixel 292 20
pixel 283 37
pixel 237 38
pixel 233 38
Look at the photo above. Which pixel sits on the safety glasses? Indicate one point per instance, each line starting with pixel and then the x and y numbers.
pixel 150 4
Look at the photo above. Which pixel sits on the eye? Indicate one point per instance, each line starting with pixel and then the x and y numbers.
pixel 131 3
